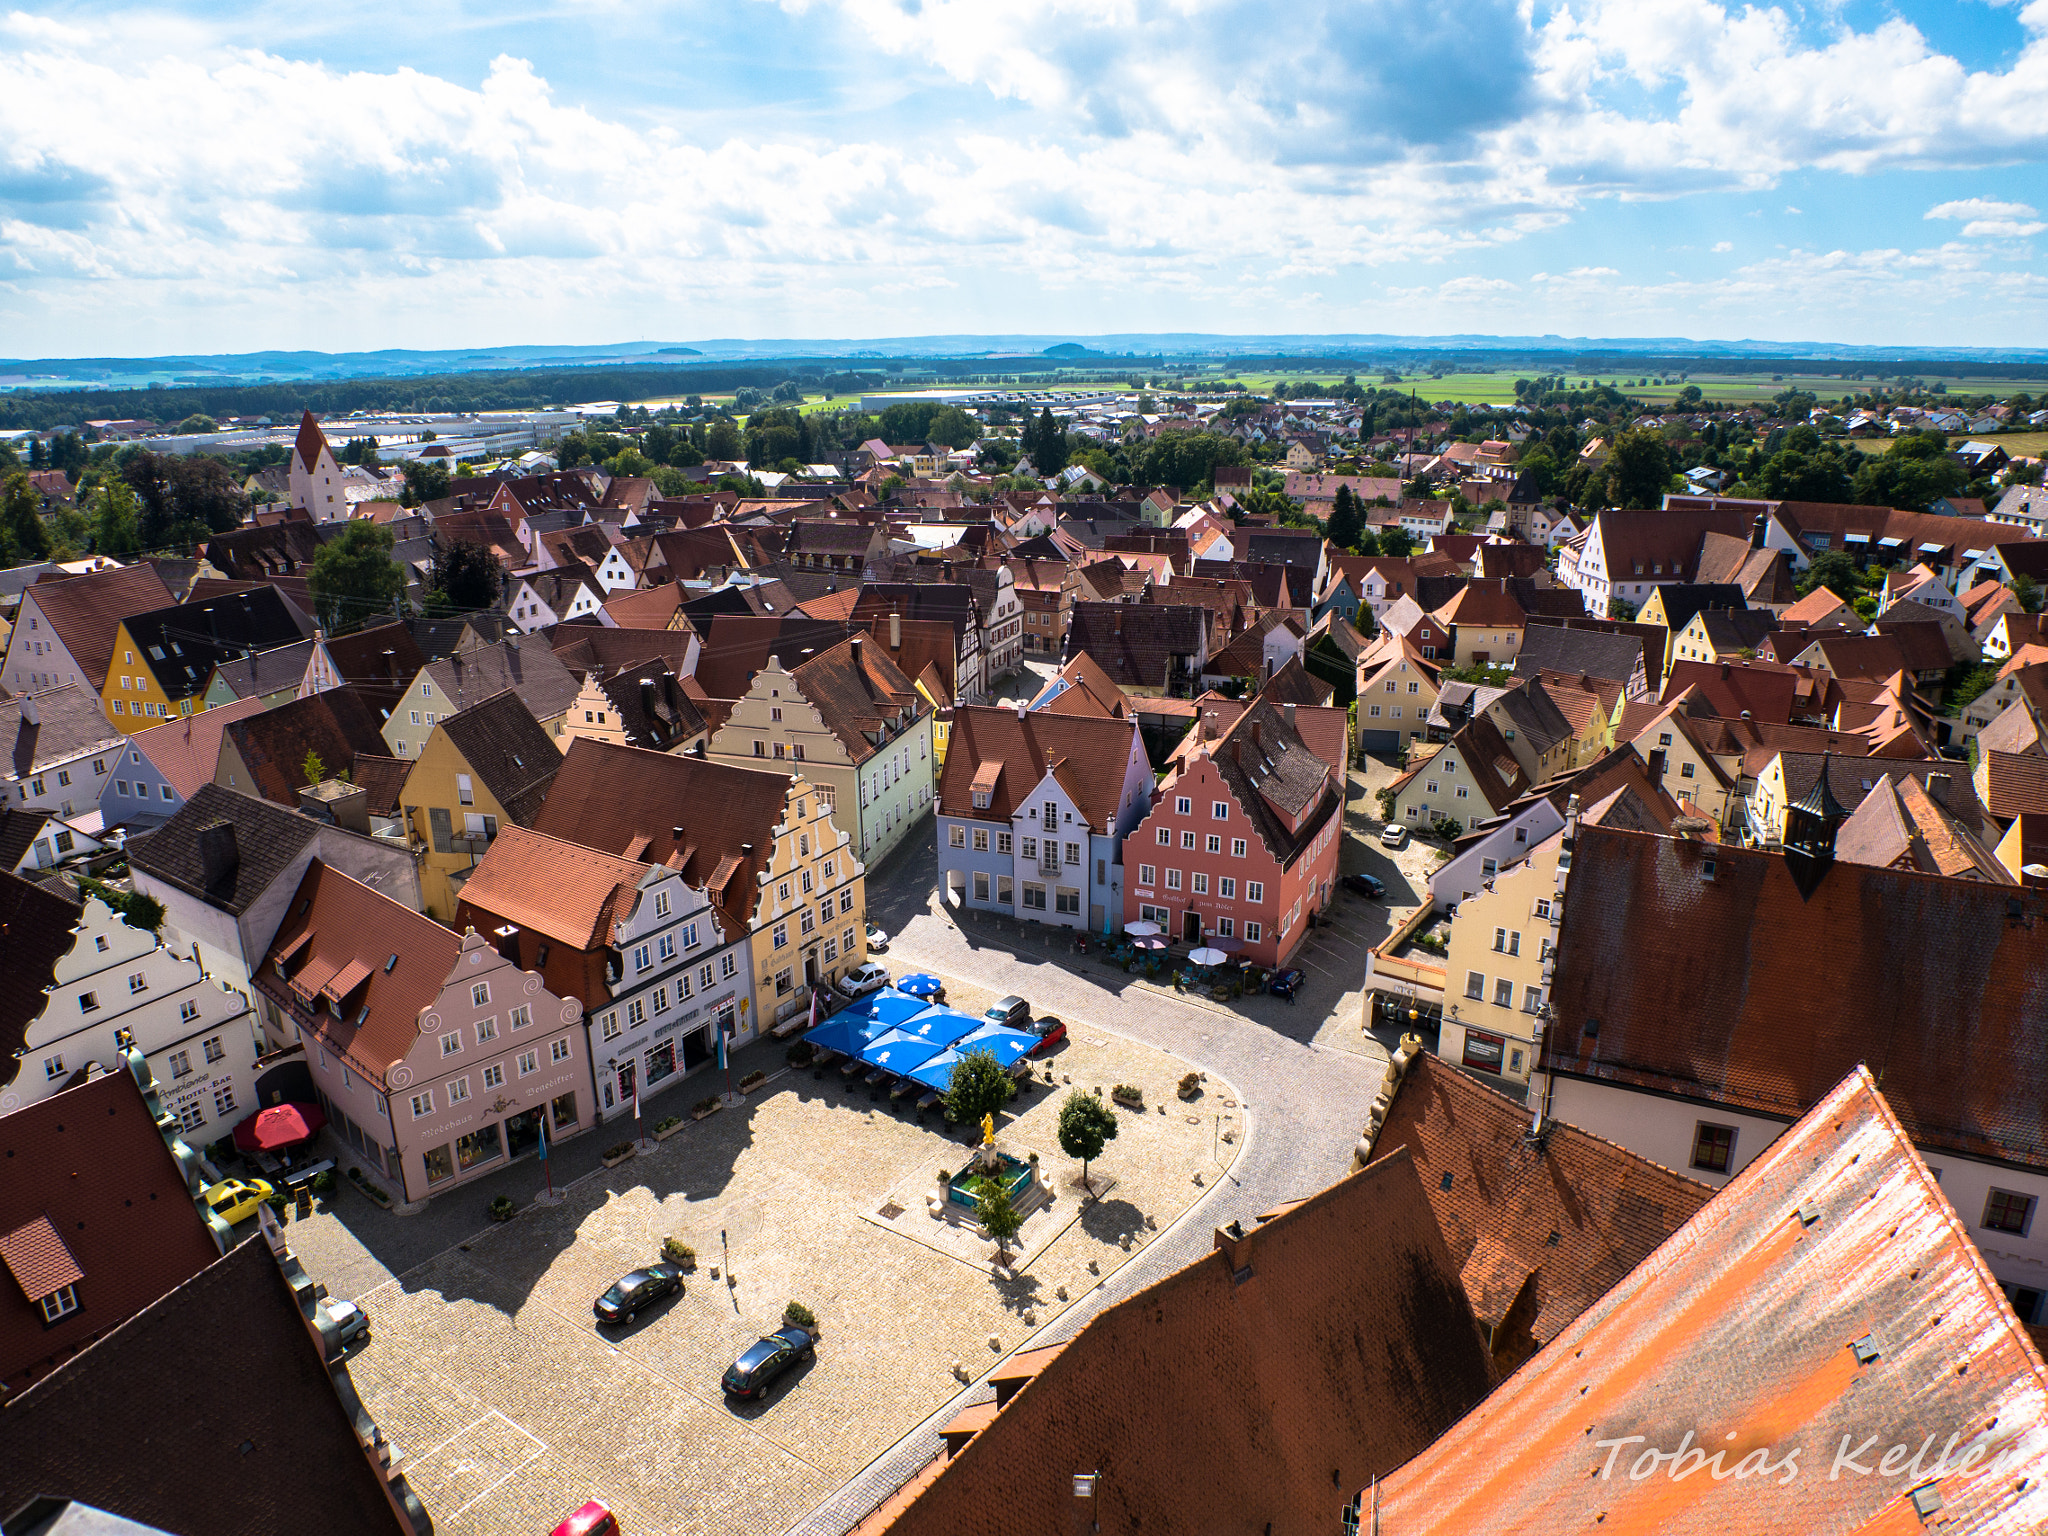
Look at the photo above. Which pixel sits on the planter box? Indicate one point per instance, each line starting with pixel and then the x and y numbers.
pixel 664 1135
pixel 699 1114
pixel 747 1087
pixel 1129 1100
pixel 613 1162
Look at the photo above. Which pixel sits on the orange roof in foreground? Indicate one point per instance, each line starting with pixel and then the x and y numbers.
pixel 1262 1384
pixel 1742 1331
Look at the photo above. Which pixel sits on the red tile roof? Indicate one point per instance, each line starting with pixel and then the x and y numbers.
pixel 35 1255
pixel 616 799
pixel 85 611
pixel 342 923
pixel 1741 1335
pixel 311 440
pixel 1264 1383
pixel 89 1164
pixel 564 891
pixel 1542 1230
pixel 1933 982
pixel 187 750
pixel 1093 753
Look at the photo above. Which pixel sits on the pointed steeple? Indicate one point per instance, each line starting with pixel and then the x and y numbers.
pixel 312 442
pixel 1810 825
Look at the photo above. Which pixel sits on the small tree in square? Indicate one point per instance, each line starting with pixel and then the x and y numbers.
pixel 999 1218
pixel 980 1087
pixel 1086 1123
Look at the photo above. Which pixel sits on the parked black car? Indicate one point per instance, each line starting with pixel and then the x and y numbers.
pixel 1363 885
pixel 634 1293
pixel 756 1371
pixel 1285 983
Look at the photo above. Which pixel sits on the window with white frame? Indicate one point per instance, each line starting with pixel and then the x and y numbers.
pixel 451 1043
pixel 1226 887
pixel 480 994
pixel 558 1050
pixel 458 1089
pixel 520 1017
pixel 1254 890
pixel 494 1075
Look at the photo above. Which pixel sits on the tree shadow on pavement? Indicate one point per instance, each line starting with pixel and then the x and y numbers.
pixel 1111 1221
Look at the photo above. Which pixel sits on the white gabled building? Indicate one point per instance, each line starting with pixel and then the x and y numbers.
pixel 199 1037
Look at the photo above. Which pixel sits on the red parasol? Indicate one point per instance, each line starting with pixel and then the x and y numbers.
pixel 281 1125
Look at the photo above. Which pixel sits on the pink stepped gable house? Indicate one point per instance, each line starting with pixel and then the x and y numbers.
pixel 436 1058
pixel 1241 843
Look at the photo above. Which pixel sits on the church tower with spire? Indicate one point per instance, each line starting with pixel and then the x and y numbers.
pixel 316 475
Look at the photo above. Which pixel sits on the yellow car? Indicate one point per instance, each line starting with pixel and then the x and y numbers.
pixel 235 1200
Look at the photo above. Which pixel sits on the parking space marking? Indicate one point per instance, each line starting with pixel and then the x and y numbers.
pixel 459 1468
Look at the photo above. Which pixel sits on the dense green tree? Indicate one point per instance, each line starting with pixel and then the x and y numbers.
pixel 980 1087
pixel 1345 524
pixel 774 435
pixel 1185 459
pixel 1538 466
pixel 1836 570
pixel 1086 1124
pixel 425 480
pixel 354 578
pixel 1397 543
pixel 196 423
pixel 205 490
pixel 117 520
pixel 1046 443
pixel 467 577
pixel 997 1213
pixel 2029 592
pixel 723 441
pixel 1910 474
pixel 1639 469
pixel 22 535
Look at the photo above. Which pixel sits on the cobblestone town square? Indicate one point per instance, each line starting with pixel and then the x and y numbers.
pixel 512 1407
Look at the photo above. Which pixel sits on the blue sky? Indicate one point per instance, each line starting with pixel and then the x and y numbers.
pixel 232 176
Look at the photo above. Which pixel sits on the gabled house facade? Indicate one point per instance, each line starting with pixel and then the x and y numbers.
pixel 1240 843
pixel 486 767
pixel 198 1037
pixel 1033 810
pixel 1494 967
pixel 646 953
pixel 436 1058
pixel 59 751
pixel 762 845
pixel 852 724
pixel 455 682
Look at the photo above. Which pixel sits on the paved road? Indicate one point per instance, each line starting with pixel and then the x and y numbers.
pixel 1304 1101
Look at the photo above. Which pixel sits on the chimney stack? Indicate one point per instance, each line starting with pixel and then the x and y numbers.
pixel 1756 532
pixel 1937 788
pixel 895 630
pixel 857 654
pixel 219 854
pixel 30 713
pixel 1287 714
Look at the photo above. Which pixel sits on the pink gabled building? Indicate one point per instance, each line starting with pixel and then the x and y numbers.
pixel 1242 839
pixel 436 1058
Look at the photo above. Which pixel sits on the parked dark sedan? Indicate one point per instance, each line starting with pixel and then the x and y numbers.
pixel 1285 983
pixel 1363 885
pixel 756 1371
pixel 637 1292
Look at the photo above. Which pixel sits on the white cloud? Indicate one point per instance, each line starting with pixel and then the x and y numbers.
pixel 1723 245
pixel 1152 158
pixel 1990 219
